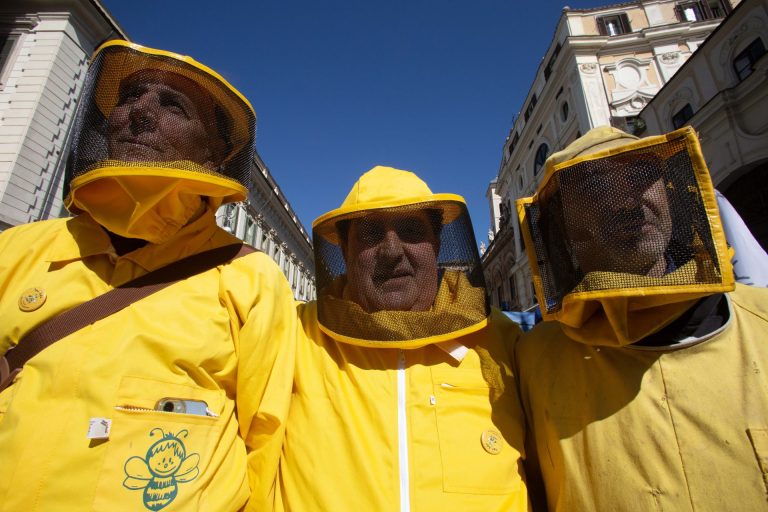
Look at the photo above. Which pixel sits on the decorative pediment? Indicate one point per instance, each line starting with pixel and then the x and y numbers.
pixel 632 89
pixel 632 102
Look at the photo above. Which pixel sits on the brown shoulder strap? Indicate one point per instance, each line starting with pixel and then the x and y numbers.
pixel 89 312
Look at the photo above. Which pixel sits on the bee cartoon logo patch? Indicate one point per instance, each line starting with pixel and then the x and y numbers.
pixel 165 466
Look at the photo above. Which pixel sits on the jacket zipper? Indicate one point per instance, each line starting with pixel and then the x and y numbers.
pixel 402 435
pixel 134 408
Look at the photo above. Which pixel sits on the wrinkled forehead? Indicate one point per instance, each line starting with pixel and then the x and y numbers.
pixel 390 219
pixel 613 175
pixel 173 82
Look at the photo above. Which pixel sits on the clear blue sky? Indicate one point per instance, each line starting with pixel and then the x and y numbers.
pixel 429 86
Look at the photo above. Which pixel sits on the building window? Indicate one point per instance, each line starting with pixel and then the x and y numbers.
pixel 682 116
pixel 744 63
pixel 635 125
pixel 628 124
pixel 689 12
pixel 7 44
pixel 541 156
pixel 250 230
pixel 613 25
pixel 551 63
pixel 702 10
pixel 512 291
pixel 513 143
pixel 504 215
pixel 564 111
pixel 718 8
pixel 500 293
pixel 529 110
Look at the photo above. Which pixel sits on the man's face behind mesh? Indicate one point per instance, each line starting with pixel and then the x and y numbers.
pixel 391 261
pixel 617 215
pixel 160 117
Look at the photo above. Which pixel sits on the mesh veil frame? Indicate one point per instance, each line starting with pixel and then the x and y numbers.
pixel 117 59
pixel 342 319
pixel 546 284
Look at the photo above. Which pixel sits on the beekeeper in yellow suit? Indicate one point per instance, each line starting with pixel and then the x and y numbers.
pixel 403 396
pixel 646 388
pixel 147 408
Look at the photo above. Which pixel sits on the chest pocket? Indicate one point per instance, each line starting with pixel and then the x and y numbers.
pixel 475 438
pixel 155 458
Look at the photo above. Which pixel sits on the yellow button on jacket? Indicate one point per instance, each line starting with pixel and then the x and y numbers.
pixel 195 340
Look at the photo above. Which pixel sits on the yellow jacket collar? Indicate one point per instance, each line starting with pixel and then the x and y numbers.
pixel 622 317
pixel 89 239
pixel 405 329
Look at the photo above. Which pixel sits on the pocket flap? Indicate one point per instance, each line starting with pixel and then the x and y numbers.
pixel 144 393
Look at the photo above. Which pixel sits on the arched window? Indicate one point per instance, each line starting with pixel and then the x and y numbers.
pixel 682 116
pixel 541 156
pixel 744 62
pixel 564 111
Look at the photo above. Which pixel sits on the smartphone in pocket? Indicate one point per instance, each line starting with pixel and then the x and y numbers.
pixel 183 406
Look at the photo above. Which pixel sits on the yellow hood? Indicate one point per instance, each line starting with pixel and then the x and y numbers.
pixel 450 263
pixel 604 307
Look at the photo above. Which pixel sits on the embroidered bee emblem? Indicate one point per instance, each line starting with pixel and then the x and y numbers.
pixel 162 469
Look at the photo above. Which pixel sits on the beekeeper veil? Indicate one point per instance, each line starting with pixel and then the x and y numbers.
pixel 398 265
pixel 623 235
pixel 155 134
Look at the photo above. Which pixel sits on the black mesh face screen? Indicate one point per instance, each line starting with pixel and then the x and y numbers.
pixel 395 263
pixel 146 110
pixel 620 220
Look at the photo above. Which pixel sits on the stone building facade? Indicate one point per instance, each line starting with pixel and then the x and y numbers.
pixel 722 91
pixel 266 221
pixel 44 57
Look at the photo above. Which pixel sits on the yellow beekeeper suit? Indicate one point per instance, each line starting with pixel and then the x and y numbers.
pixel 652 395
pixel 622 428
pixel 80 427
pixel 196 339
pixel 394 422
